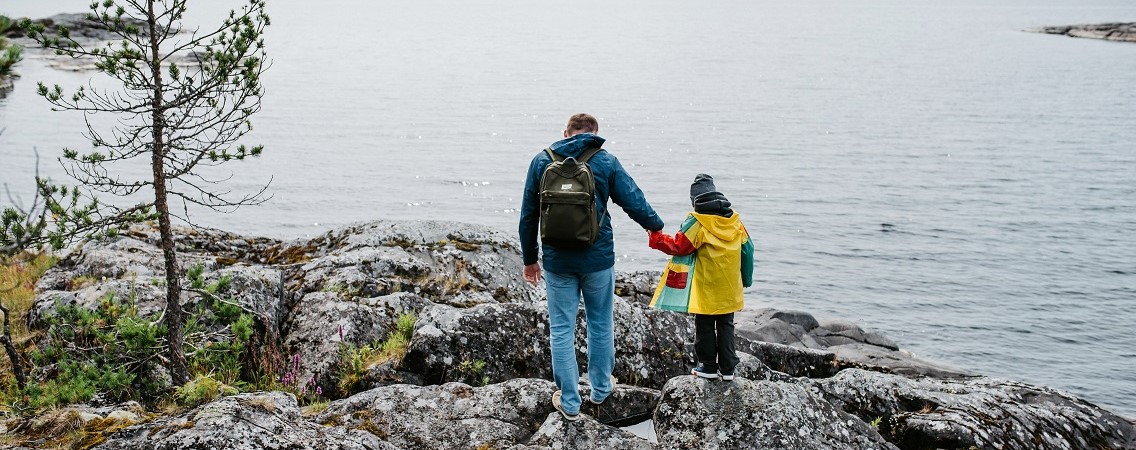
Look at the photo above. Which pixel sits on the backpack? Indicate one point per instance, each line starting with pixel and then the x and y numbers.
pixel 568 202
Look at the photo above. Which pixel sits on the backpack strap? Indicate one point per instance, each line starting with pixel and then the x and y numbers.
pixel 584 157
pixel 588 154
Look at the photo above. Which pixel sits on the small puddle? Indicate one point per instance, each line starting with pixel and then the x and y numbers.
pixel 645 430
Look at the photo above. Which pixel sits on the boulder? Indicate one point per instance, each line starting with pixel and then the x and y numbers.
pixel 753 368
pixel 95 261
pixel 323 322
pixel 636 287
pixel 485 344
pixel 259 420
pixel 828 345
pixel 448 416
pixel 799 319
pixel 74 426
pixel 835 332
pixel 511 340
pixel 651 345
pixel 901 362
pixel 695 413
pixel 975 413
pixel 258 290
pixel 224 247
pixel 793 361
pixel 627 405
pixel 131 267
pixel 147 293
pixel 446 262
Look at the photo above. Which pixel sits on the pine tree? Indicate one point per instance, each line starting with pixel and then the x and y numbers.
pixel 182 101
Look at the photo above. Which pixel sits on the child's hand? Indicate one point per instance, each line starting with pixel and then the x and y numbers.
pixel 673 246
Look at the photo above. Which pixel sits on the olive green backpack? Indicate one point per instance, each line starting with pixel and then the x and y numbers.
pixel 568 202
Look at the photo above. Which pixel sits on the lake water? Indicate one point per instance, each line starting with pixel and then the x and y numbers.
pixel 1004 162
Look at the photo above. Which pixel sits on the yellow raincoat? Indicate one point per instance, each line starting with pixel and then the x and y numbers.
pixel 713 262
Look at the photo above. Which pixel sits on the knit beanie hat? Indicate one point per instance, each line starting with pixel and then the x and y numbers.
pixel 706 199
pixel 702 184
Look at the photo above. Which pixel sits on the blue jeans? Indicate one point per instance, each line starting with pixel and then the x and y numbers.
pixel 598 289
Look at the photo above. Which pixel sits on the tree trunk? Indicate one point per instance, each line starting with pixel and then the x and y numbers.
pixel 13 355
pixel 174 314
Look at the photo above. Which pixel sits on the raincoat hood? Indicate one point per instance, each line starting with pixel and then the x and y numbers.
pixel 575 145
pixel 724 228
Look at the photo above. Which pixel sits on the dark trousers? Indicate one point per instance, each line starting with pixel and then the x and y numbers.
pixel 714 342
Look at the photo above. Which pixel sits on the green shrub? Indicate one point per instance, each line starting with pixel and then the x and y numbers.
pixel 111 350
pixel 202 389
pixel 106 350
pixel 9 56
pixel 394 348
pixel 472 371
pixel 209 353
pixel 355 360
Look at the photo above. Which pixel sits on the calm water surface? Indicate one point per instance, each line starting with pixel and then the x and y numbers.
pixel 1003 161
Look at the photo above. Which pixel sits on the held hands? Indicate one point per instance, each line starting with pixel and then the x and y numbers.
pixel 678 245
pixel 655 239
pixel 532 273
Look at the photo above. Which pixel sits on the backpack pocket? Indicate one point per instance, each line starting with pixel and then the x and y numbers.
pixel 568 219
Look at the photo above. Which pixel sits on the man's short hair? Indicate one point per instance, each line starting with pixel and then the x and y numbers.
pixel 582 123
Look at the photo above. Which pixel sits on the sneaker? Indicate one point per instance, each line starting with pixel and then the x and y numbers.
pixel 556 404
pixel 600 402
pixel 726 375
pixel 702 372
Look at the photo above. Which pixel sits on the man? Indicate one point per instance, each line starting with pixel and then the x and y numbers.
pixel 588 271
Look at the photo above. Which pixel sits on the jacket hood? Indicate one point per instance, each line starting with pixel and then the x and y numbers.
pixel 724 228
pixel 575 145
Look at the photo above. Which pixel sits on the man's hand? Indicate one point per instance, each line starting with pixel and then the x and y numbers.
pixel 532 273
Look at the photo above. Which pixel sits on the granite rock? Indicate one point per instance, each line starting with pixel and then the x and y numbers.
pixel 512 340
pixel 323 322
pixel 695 413
pixel 448 416
pixel 445 262
pixel 1122 32
pixel 827 346
pixel 261 420
pixel 975 413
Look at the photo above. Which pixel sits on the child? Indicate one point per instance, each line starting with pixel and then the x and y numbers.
pixel 713 261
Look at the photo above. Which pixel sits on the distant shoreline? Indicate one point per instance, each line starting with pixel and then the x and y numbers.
pixel 1117 31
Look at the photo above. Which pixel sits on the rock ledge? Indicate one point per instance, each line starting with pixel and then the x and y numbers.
pixel 1116 31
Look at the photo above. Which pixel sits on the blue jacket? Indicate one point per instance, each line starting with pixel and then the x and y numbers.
pixel 611 181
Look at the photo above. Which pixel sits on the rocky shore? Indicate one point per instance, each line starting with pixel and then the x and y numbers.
pixel 476 368
pixel 1122 32
pixel 88 33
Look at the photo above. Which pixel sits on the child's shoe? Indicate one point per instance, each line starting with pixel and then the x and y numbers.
pixel 702 372
pixel 727 375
